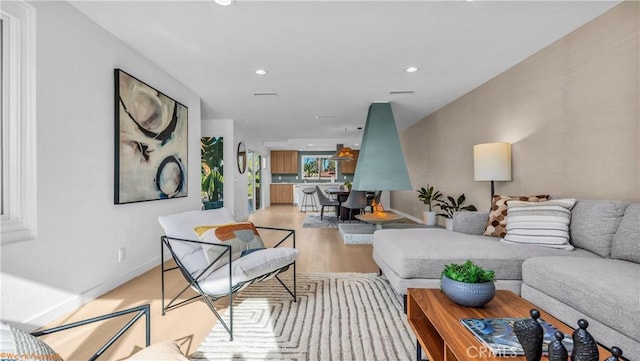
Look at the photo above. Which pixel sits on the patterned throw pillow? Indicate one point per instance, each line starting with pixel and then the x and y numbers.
pixel 539 223
pixel 242 237
pixel 16 344
pixel 496 226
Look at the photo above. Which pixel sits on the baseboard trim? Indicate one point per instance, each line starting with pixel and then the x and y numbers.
pixel 406 215
pixel 77 301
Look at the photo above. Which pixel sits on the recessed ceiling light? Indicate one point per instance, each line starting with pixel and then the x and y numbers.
pixel 319 117
pixel 401 92
pixel 223 2
pixel 411 69
pixel 261 72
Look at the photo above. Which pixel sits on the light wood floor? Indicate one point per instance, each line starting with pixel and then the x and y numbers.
pixel 321 250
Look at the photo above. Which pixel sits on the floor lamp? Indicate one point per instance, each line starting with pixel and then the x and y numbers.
pixel 492 162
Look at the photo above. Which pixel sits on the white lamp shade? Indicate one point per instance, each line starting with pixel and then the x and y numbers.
pixel 492 162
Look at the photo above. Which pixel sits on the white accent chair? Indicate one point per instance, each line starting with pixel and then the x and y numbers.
pixel 213 283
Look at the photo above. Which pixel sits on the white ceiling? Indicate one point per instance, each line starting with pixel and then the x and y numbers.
pixel 333 58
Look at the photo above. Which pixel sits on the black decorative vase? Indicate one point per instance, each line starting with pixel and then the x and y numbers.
pixel 557 351
pixel 616 353
pixel 530 336
pixel 584 346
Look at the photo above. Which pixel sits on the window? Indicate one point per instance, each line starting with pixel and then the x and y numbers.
pixel 318 167
pixel 17 122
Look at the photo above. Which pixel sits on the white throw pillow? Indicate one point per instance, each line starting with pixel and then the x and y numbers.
pixel 539 223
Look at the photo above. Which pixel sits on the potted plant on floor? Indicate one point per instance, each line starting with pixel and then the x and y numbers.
pixel 451 205
pixel 429 196
pixel 468 284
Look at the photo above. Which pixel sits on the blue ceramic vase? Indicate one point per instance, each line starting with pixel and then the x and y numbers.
pixel 468 294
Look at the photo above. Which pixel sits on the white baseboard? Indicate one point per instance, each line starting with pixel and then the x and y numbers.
pixel 79 300
pixel 406 215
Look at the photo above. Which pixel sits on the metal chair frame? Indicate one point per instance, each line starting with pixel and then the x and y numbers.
pixel 210 299
pixel 143 310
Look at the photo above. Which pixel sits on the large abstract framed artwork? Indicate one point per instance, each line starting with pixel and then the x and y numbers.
pixel 150 143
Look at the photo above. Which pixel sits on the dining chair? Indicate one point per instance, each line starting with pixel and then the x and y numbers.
pixel 355 200
pixel 326 202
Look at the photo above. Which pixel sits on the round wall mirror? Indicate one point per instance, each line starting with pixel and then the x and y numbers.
pixel 242 158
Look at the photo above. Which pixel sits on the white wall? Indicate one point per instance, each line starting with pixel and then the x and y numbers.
pixel 571 112
pixel 79 227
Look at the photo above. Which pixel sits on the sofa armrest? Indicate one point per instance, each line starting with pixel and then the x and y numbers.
pixel 470 222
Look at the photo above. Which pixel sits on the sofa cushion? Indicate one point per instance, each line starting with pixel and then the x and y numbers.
pixel 497 223
pixel 423 252
pixel 591 286
pixel 470 222
pixel 626 241
pixel 247 268
pixel 540 223
pixel 593 224
pixel 181 225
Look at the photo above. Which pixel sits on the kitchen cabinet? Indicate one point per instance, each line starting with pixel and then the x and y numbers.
pixel 281 193
pixel 284 162
pixel 349 166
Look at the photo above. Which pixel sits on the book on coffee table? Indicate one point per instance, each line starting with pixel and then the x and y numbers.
pixel 498 336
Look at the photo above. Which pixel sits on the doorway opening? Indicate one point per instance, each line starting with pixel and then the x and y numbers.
pixel 254 174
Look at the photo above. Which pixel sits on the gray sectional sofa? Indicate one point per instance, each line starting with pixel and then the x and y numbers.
pixel 599 280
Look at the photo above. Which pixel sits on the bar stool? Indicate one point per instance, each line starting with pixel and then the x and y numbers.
pixel 308 200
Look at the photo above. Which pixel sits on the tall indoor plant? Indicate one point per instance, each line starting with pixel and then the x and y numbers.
pixel 429 196
pixel 451 205
pixel 212 180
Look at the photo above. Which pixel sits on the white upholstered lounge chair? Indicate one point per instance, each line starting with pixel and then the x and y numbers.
pixel 219 268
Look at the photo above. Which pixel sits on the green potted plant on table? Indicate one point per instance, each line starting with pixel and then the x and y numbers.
pixel 468 284
pixel 429 196
pixel 451 205
pixel 212 179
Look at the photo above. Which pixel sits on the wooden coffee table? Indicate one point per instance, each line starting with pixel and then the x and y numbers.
pixel 435 321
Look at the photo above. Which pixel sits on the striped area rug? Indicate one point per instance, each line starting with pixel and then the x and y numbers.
pixel 338 316
pixel 312 220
